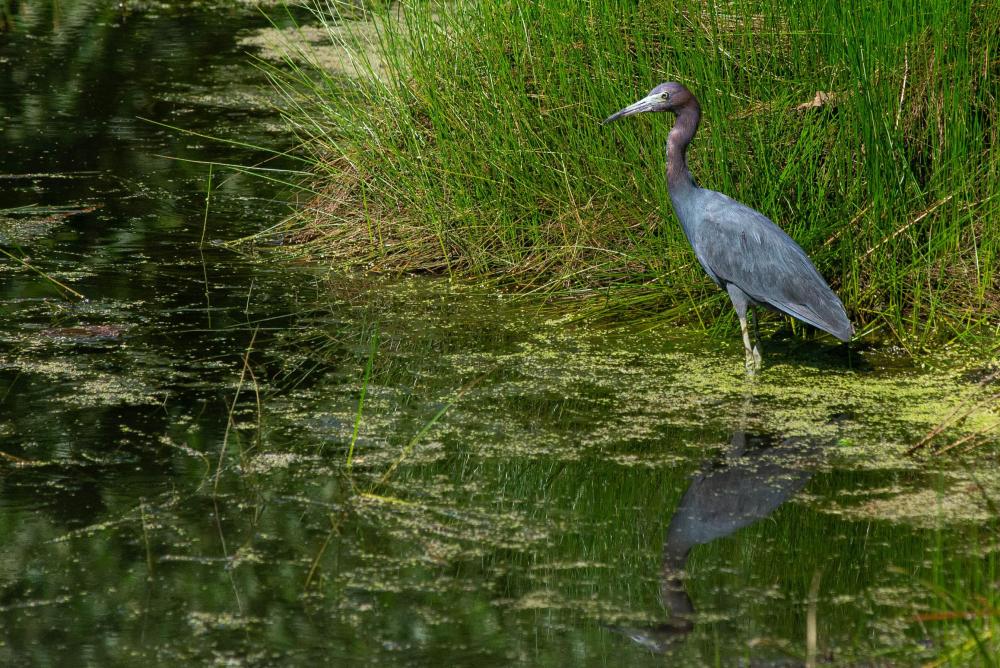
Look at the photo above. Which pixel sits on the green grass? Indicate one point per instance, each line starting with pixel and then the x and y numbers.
pixel 477 151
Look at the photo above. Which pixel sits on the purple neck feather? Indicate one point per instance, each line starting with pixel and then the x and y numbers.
pixel 681 135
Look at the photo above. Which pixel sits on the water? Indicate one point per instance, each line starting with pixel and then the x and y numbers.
pixel 520 491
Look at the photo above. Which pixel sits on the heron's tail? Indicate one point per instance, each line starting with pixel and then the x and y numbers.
pixel 827 313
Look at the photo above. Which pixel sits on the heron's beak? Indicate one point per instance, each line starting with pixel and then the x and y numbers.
pixel 647 103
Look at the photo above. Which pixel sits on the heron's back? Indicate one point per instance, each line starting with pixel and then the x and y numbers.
pixel 738 245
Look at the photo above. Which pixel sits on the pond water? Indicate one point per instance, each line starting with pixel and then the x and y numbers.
pixel 219 458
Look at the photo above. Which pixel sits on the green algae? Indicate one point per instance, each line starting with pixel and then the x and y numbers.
pixel 949 498
pixel 614 406
pixel 349 47
pixel 636 386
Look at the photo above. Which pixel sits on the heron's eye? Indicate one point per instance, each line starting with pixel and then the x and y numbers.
pixel 665 96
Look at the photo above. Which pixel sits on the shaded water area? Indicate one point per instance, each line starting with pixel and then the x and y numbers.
pixel 215 458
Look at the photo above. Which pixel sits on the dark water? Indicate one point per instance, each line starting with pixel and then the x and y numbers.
pixel 519 491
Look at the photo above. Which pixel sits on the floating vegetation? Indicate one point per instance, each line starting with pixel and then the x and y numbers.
pixel 24 224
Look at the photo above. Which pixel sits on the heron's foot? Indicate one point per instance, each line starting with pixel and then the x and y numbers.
pixel 754 362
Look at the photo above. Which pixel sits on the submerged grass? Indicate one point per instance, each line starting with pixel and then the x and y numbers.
pixel 468 142
pixel 372 349
pixel 550 485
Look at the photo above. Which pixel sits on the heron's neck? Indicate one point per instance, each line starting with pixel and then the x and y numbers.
pixel 672 593
pixel 678 175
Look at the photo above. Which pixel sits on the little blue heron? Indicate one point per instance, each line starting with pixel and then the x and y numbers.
pixel 741 249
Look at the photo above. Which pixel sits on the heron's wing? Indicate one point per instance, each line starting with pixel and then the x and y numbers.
pixel 743 247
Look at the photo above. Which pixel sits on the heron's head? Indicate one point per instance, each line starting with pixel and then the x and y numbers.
pixel 669 96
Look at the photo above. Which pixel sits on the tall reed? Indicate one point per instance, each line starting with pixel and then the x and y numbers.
pixel 469 142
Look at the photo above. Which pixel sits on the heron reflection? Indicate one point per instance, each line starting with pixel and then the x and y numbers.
pixel 757 474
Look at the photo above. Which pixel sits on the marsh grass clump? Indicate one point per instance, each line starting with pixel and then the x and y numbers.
pixel 467 141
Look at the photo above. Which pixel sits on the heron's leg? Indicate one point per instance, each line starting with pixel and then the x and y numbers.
pixel 758 358
pixel 740 302
pixel 751 361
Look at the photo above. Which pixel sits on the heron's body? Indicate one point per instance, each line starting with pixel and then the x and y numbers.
pixel 761 252
pixel 740 249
